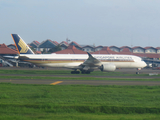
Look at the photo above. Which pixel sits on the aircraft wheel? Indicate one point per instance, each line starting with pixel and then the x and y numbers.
pixel 82 72
pixel 72 72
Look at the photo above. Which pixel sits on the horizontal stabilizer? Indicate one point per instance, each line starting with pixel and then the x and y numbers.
pixel 23 58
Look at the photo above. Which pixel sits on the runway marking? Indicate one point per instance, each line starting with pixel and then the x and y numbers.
pixel 56 82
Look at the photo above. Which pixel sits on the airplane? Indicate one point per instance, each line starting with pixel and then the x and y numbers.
pixel 85 63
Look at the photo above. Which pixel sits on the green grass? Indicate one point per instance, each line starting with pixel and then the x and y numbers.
pixel 66 116
pixel 40 71
pixel 66 72
pixel 79 102
pixel 38 74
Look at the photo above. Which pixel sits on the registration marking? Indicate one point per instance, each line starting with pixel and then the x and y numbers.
pixel 57 82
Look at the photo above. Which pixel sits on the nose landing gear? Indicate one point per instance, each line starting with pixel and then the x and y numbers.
pixel 138 69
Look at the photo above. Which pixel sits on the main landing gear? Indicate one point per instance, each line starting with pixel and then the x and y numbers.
pixel 85 72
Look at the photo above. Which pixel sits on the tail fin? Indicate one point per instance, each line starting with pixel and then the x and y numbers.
pixel 21 46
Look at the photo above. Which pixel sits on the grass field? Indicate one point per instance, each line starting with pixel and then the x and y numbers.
pixel 66 72
pixel 77 102
pixel 38 74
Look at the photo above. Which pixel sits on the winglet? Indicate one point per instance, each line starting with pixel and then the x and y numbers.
pixel 92 61
pixel 21 46
pixel 89 54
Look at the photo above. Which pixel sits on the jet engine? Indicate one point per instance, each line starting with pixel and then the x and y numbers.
pixel 109 67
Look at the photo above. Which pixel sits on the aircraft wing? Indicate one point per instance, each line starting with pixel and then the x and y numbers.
pixel 91 61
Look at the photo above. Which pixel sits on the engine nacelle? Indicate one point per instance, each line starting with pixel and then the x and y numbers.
pixel 109 67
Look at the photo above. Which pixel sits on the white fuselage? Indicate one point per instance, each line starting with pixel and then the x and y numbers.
pixel 75 60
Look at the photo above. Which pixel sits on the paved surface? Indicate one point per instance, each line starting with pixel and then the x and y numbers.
pixel 86 82
pixel 82 82
pixel 78 76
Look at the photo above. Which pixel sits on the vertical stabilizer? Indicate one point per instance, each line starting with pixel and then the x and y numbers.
pixel 21 46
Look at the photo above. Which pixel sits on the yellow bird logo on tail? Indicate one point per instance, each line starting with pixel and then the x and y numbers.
pixel 23 46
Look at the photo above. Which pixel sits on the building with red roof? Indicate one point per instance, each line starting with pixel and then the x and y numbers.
pixel 4 50
pixel 64 45
pixel 158 50
pixel 150 50
pixel 76 45
pixel 147 55
pixel 114 48
pixel 55 42
pixel 71 50
pixel 98 48
pixel 38 52
pixel 138 49
pixel 88 48
pixel 105 50
pixel 35 44
pixel 126 50
pixel 12 46
pixel 47 45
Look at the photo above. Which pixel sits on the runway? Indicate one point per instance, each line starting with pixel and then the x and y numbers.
pixel 85 82
pixel 82 82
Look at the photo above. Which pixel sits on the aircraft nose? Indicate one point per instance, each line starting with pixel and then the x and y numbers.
pixel 144 64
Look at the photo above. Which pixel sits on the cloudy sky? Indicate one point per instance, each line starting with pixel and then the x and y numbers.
pixel 99 22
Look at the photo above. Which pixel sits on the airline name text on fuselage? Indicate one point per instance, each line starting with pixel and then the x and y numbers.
pixel 113 57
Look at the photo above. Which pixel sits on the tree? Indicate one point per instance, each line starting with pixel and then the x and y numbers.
pixel 55 49
pixel 33 49
pixel 44 51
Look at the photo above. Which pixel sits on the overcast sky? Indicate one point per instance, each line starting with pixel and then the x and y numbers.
pixel 87 22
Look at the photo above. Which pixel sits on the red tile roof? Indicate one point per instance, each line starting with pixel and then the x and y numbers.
pixel 125 51
pixel 71 50
pixel 105 50
pixel 71 47
pixel 36 43
pixel 6 50
pixel 147 55
pixel 74 43
pixel 38 52
pixel 149 48
pixel 56 42
pixel 157 48
pixel 64 42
